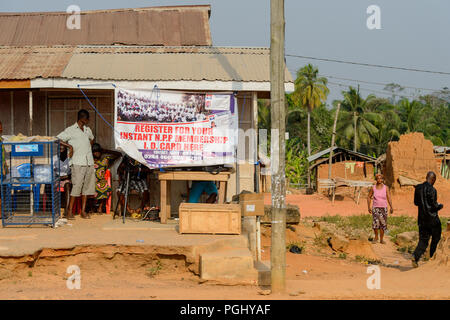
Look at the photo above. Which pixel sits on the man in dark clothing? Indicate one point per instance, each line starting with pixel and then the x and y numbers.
pixel 425 198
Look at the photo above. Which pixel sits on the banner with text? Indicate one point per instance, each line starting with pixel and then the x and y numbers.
pixel 170 128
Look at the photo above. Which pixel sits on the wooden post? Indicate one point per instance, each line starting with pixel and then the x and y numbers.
pixel 30 105
pixel 255 143
pixel 163 201
pixel 332 141
pixel 278 145
pixel 30 133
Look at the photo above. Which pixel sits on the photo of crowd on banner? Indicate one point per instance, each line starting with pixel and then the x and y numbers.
pixel 137 107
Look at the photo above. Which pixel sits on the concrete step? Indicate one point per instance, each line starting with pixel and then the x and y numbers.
pixel 264 273
pixel 229 266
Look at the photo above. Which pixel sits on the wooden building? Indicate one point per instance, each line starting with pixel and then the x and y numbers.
pixel 43 64
pixel 346 164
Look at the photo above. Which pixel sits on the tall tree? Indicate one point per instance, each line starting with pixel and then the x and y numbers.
pixel 395 89
pixel 411 113
pixel 310 92
pixel 356 120
pixel 388 130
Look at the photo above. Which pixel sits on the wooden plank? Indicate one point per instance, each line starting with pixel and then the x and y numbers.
pixel 163 202
pixel 168 203
pixel 222 190
pixel 21 112
pixel 57 122
pixel 252 204
pixel 39 114
pixel 16 84
pixel 5 114
pixel 193 176
pixel 210 218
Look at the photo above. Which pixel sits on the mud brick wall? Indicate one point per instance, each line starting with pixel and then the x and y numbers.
pixel 412 156
pixel 343 170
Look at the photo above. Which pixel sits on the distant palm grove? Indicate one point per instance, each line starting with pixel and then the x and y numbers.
pixel 364 125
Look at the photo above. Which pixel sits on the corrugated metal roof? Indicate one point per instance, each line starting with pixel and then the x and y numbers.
pixel 137 63
pixel 337 149
pixel 171 26
pixel 33 62
pixel 441 149
pixel 167 64
pixel 320 154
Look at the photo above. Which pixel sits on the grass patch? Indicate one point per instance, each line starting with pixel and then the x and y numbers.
pixel 321 240
pixel 402 224
pixel 350 224
pixel 366 260
pixel 406 249
pixel 342 255
pixel 396 224
pixel 153 271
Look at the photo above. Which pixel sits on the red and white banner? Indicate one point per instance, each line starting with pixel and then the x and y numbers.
pixel 171 128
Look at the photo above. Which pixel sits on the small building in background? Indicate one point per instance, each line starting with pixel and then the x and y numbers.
pixel 442 155
pixel 346 164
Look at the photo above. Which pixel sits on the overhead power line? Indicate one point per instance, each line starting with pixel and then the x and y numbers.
pixel 371 90
pixel 372 82
pixel 378 83
pixel 386 93
pixel 369 64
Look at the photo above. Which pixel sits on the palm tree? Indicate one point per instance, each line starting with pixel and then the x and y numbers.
pixel 356 118
pixel 388 129
pixel 419 117
pixel 411 114
pixel 310 92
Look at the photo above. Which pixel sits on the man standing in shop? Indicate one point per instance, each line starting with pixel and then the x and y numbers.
pixel 79 137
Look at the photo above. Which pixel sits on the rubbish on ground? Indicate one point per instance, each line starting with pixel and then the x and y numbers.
pixel 295 249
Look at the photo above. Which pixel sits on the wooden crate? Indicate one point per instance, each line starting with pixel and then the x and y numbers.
pixel 210 218
pixel 252 204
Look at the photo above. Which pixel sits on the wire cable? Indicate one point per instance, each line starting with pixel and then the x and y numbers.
pixel 368 64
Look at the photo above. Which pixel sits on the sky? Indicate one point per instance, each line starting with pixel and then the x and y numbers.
pixel 414 34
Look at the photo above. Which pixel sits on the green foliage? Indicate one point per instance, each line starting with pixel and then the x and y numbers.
pixel 379 120
pixel 342 255
pixel 296 162
pixel 310 89
pixel 358 222
pixel 154 270
pixel 366 260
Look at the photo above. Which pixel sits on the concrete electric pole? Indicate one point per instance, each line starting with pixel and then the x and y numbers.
pixel 278 147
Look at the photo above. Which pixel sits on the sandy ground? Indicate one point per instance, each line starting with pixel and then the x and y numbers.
pixel 317 205
pixel 308 276
pixel 325 278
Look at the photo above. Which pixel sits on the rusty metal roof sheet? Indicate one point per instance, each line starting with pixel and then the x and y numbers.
pixel 171 63
pixel 33 62
pixel 161 26
pixel 137 63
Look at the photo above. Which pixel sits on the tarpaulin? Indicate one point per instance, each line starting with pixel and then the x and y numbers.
pixel 171 128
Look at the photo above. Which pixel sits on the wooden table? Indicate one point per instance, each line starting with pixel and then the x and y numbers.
pixel 166 177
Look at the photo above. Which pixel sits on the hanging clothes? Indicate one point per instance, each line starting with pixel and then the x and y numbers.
pixel 351 166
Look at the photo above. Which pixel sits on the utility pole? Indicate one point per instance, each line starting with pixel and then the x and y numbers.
pixel 332 140
pixel 278 147
pixel 357 101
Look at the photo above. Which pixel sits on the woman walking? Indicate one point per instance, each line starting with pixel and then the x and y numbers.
pixel 381 197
